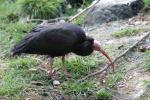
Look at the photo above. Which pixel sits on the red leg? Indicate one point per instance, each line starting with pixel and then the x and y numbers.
pixel 64 67
pixel 51 70
pixel 48 67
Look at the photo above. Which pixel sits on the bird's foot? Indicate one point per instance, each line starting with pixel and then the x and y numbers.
pixel 52 74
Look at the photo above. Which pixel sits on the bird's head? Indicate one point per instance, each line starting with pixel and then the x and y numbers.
pixel 85 48
pixel 88 46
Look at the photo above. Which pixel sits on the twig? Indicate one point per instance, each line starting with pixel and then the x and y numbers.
pixel 84 10
pixel 50 20
pixel 35 20
pixel 57 19
pixel 117 58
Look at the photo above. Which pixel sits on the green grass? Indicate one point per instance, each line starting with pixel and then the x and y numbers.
pixel 147 61
pixel 127 32
pixel 79 66
pixel 16 76
pixel 103 94
pixel 80 20
pixel 147 2
pixel 147 82
pixel 7 8
pixel 74 87
pixel 41 9
pixel 112 79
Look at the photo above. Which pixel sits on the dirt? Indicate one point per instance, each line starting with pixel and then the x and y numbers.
pixel 132 86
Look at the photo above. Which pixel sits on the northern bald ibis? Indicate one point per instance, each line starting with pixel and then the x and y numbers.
pixel 58 39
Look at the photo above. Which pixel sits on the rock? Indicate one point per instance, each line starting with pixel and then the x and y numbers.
pixel 62 21
pixel 56 83
pixel 144 48
pixel 111 10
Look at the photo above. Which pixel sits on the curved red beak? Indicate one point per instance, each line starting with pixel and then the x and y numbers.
pixel 96 46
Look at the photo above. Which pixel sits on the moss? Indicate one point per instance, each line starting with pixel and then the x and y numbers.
pixel 127 32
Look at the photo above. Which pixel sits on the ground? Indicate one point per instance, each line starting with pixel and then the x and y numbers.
pixel 131 87
pixel 19 79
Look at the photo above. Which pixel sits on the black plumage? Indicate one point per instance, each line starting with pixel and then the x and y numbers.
pixel 54 40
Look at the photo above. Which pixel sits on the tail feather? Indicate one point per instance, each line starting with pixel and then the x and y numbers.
pixel 22 46
pixel 19 48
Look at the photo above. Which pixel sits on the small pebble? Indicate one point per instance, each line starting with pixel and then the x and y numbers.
pixel 56 83
pixel 130 77
pixel 62 21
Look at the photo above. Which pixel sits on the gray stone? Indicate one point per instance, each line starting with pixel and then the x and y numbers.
pixel 111 10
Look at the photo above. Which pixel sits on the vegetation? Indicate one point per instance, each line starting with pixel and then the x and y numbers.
pixel 16 76
pixel 147 61
pixel 112 79
pixel 79 66
pixel 18 72
pixel 42 9
pixel 147 82
pixel 127 32
pixel 77 88
pixel 147 2
pixel 80 20
pixel 7 8
pixel 103 94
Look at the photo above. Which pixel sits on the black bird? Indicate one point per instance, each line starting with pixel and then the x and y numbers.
pixel 58 39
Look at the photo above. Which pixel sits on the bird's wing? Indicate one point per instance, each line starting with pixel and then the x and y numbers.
pixel 55 38
pixel 47 41
pixel 38 28
pixel 42 27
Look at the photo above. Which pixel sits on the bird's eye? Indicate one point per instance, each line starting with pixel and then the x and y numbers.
pixel 87 44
